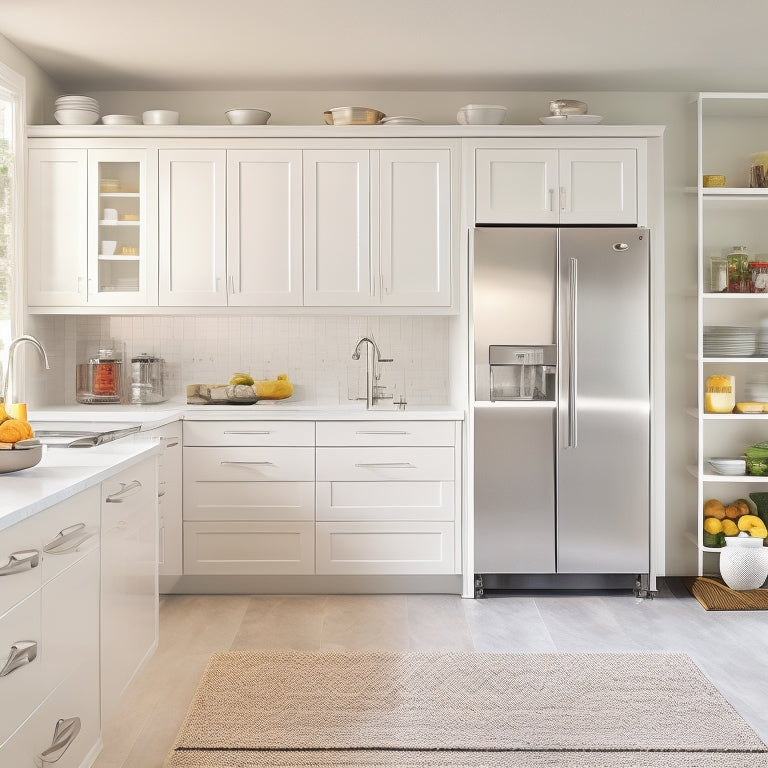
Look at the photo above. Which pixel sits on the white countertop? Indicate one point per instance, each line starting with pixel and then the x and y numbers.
pixel 151 416
pixel 63 472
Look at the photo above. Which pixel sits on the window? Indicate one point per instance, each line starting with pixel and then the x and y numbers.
pixel 11 121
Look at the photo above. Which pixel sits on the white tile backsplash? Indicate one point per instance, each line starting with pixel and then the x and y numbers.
pixel 315 352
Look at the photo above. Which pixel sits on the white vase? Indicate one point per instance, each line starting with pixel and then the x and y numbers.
pixel 744 562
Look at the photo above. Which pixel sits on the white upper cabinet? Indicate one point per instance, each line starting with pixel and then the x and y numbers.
pixel 530 185
pixel 264 227
pixel 92 227
pixel 338 266
pixel 122 244
pixel 415 227
pixel 378 227
pixel 192 231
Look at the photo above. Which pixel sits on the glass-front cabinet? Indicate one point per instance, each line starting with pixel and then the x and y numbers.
pixel 118 233
pixel 92 235
pixel 732 356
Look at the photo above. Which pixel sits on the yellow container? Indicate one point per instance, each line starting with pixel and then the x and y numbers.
pixel 713 180
pixel 720 394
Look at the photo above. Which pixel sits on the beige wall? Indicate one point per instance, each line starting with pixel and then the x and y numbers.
pixel 41 89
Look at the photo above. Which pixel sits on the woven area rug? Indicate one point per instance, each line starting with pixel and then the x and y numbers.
pixel 714 595
pixel 382 709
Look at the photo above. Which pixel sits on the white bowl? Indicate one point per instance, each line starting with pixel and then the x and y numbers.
pixel 481 114
pixel 160 117
pixel 120 120
pixel 76 116
pixel 248 116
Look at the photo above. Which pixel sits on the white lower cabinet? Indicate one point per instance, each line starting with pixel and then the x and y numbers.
pixel 129 595
pixel 169 521
pixel 49 640
pixel 249 504
pixel 305 497
pixel 386 498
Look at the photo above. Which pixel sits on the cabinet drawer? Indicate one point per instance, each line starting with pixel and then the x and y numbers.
pixel 70 531
pixel 20 559
pixel 71 620
pixel 384 547
pixel 77 697
pixel 249 433
pixel 379 464
pixel 249 548
pixel 249 501
pixel 248 464
pixel 22 688
pixel 385 501
pixel 385 433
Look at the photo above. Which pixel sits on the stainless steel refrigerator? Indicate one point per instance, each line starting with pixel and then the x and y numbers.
pixel 562 405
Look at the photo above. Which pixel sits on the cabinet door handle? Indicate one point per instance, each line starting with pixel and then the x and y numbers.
pixel 64 734
pixel 248 432
pixel 172 445
pixel 68 539
pixel 389 465
pixel 255 463
pixel 562 198
pixel 551 200
pixel 381 432
pixel 127 489
pixel 21 561
pixel 23 652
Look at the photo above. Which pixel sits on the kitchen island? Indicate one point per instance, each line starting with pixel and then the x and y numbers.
pixel 79 597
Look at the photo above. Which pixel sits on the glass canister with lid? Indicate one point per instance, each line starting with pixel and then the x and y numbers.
pixel 739 276
pixel 100 380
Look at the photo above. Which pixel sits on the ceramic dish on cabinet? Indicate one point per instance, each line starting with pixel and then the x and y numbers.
pixel 401 120
pixel 353 116
pixel 572 119
pixel 120 120
pixel 160 117
pixel 728 466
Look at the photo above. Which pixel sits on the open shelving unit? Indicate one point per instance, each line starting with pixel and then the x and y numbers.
pixel 731 127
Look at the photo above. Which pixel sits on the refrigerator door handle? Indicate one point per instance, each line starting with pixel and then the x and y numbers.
pixel 572 350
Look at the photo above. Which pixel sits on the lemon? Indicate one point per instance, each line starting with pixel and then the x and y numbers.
pixel 241 378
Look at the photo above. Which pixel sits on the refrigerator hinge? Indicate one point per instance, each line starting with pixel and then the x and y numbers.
pixel 479 591
pixel 642 584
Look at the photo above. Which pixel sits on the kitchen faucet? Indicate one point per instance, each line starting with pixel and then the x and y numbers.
pixel 372 357
pixel 11 349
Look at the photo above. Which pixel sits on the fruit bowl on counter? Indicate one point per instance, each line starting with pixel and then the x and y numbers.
pixel 241 390
pixel 20 455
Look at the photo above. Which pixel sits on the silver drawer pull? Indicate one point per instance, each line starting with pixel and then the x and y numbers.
pixel 23 652
pixel 21 561
pixel 127 489
pixel 389 465
pixel 248 432
pixel 172 445
pixel 254 463
pixel 68 539
pixel 381 432
pixel 64 734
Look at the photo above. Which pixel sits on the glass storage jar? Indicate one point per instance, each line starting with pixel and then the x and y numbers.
pixel 718 274
pixel 738 269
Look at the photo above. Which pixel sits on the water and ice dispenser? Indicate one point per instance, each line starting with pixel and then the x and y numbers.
pixel 522 373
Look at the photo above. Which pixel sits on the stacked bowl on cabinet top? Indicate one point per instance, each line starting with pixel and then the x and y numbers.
pixel 76 110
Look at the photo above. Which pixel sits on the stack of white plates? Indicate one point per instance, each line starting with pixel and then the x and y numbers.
pixel 401 120
pixel 726 466
pixel 729 341
pixel 76 110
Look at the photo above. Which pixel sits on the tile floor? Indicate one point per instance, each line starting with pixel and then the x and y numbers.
pixel 730 647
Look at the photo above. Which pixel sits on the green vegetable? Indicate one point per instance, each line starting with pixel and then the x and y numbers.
pixel 714 539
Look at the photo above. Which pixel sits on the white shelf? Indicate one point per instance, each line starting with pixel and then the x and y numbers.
pixel 119 194
pixel 120 257
pixel 108 223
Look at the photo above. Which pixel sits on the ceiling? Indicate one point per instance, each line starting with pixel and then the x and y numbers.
pixel 436 45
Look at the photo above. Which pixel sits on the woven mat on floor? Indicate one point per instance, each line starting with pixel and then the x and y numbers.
pixel 714 595
pixel 287 709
